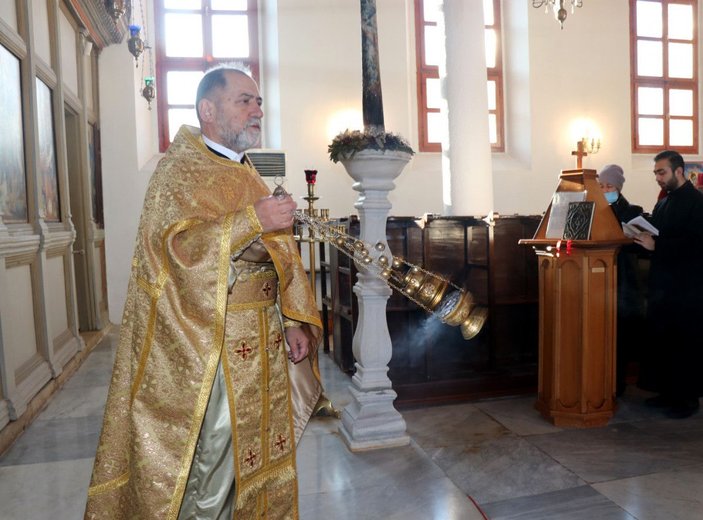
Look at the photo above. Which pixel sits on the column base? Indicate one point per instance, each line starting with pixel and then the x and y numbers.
pixel 370 422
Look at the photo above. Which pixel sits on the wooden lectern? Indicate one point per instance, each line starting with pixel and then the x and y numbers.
pixel 577 311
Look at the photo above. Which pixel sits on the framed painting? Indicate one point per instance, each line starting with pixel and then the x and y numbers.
pixel 96 175
pixel 693 171
pixel 13 184
pixel 46 165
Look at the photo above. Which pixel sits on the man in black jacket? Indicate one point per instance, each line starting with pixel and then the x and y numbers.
pixel 674 354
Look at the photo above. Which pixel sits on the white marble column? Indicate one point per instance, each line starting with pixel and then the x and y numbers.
pixel 370 421
pixel 467 173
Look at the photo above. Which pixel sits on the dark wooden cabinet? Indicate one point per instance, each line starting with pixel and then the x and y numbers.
pixel 431 361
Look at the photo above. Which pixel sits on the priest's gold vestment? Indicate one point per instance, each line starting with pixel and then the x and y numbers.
pixel 180 324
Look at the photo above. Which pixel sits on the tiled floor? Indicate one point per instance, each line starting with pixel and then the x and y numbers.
pixel 499 452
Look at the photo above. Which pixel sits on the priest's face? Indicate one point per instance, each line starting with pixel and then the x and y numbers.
pixel 238 113
pixel 667 179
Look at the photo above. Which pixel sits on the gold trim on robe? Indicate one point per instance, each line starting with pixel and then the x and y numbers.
pixel 198 209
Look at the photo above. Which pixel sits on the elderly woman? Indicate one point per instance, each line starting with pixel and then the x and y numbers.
pixel 630 294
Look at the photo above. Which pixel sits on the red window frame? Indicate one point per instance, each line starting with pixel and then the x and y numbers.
pixel 425 72
pixel 664 82
pixel 166 64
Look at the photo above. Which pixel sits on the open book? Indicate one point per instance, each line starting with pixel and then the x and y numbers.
pixel 638 225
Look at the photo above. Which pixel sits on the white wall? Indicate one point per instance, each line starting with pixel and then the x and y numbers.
pixel 312 71
pixel 582 71
pixel 129 149
pixel 553 76
pixel 320 76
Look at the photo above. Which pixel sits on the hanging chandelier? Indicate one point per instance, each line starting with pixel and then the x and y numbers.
pixel 557 7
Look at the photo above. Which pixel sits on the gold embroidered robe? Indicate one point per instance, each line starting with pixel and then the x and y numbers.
pixel 197 212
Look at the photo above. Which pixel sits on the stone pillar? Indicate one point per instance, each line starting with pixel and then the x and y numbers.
pixel 370 421
pixel 467 172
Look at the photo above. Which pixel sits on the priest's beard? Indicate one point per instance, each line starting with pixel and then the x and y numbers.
pixel 248 137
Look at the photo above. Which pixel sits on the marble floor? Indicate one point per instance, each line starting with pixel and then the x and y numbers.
pixel 499 454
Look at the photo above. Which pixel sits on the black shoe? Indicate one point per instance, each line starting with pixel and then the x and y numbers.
pixel 659 401
pixel 683 409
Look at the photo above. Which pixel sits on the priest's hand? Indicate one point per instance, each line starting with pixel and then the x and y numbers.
pixel 298 342
pixel 645 240
pixel 275 213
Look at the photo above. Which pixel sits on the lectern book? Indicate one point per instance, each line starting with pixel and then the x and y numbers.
pixel 579 218
pixel 559 210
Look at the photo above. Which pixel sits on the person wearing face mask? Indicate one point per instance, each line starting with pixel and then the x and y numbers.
pixel 611 179
pixel 630 315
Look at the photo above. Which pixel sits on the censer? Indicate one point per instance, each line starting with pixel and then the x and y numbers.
pixel 432 292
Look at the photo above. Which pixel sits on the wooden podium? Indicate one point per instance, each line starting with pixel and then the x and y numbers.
pixel 577 312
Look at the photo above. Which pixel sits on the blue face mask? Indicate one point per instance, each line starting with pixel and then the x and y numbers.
pixel 611 196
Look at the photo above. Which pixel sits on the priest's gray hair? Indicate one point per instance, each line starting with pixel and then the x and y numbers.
pixel 215 78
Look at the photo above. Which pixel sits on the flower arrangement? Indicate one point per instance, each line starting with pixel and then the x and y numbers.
pixel 346 144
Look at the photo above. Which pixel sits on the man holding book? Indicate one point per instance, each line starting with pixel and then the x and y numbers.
pixel 674 354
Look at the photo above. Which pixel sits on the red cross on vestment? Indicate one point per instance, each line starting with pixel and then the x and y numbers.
pixel 266 289
pixel 250 459
pixel 244 350
pixel 281 442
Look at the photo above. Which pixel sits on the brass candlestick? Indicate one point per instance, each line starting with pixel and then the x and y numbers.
pixel 311 178
pixel 324 407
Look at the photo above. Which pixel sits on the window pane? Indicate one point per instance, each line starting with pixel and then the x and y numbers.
pixel 230 36
pixel 680 102
pixel 492 129
pixel 492 101
pixel 681 132
pixel 430 10
pixel 228 5
pixel 432 49
pixel 649 58
pixel 490 48
pixel 488 18
pixel 178 117
pixel 680 22
pixel 183 4
pixel 435 127
pixel 184 35
pixel 649 19
pixel 680 60
pixel 650 101
pixel 651 131
pixel 433 92
pixel 182 86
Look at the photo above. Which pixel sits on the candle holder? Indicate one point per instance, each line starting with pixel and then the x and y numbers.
pixel 135 44
pixel 149 91
pixel 323 407
pixel 312 214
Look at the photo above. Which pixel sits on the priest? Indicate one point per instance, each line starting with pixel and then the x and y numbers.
pixel 206 400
